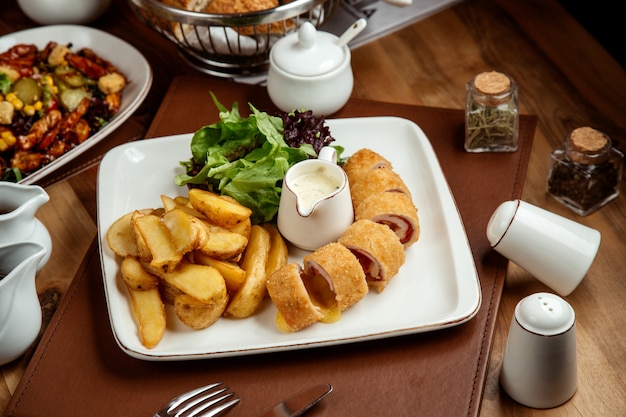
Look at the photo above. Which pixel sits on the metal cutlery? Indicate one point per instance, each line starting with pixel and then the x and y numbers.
pixel 299 403
pixel 214 400
pixel 209 401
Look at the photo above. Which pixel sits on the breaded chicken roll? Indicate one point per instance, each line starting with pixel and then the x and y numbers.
pixel 361 162
pixel 375 181
pixel 395 210
pixel 287 291
pixel 377 248
pixel 341 272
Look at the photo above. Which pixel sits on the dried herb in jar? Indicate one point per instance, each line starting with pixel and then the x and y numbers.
pixel 585 171
pixel 491 113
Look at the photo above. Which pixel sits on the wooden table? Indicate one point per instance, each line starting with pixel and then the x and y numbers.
pixel 565 78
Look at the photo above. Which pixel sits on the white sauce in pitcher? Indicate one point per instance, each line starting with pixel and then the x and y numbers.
pixel 312 186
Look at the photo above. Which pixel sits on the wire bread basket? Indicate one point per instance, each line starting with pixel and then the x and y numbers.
pixel 231 45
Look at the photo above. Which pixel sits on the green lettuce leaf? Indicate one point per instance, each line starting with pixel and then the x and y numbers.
pixel 245 158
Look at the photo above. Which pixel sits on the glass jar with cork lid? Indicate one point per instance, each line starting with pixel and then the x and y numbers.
pixel 491 113
pixel 585 171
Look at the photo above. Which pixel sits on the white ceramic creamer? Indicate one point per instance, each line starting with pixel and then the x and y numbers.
pixel 315 204
pixel 18 205
pixel 20 311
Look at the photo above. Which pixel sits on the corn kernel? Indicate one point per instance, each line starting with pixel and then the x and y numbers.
pixel 3 146
pixel 8 138
pixel 29 110
pixel 38 105
pixel 17 104
pixel 11 97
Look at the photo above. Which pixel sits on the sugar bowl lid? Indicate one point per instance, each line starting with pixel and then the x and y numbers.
pixel 308 52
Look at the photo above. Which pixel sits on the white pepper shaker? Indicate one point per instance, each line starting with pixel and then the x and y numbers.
pixel 539 369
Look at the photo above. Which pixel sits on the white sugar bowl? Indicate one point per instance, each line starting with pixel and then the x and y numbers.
pixel 311 70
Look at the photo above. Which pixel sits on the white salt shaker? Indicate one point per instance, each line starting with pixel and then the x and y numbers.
pixel 539 369
pixel 554 249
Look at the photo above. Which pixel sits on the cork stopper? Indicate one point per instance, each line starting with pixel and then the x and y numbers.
pixel 491 89
pixel 492 83
pixel 588 145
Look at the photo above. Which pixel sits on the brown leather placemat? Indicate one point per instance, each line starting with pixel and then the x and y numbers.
pixel 78 369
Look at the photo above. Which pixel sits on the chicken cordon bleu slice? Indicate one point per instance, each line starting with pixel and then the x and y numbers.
pixel 377 248
pixel 334 276
pixel 395 210
pixel 363 161
pixel 331 281
pixel 376 181
pixel 295 308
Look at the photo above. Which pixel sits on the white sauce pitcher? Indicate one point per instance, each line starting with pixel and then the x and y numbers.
pixel 18 205
pixel 315 203
pixel 20 311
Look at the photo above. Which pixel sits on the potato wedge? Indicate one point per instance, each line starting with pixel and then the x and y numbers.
pixel 119 236
pixel 168 202
pixel 243 228
pixel 197 315
pixel 279 252
pixel 219 211
pixel 176 204
pixel 219 243
pixel 182 201
pixel 159 241
pixel 185 229
pixel 251 294
pixel 135 276
pixel 233 275
pixel 168 292
pixel 150 313
pixel 199 281
pixel 143 252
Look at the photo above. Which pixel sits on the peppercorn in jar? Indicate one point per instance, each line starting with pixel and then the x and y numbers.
pixel 585 171
pixel 491 113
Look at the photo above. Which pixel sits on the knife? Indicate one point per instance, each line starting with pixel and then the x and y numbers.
pixel 299 403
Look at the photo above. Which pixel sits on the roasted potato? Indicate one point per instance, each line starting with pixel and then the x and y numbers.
pixel 135 276
pixel 200 254
pixel 182 201
pixel 119 236
pixel 158 240
pixel 185 229
pixel 279 252
pixel 219 211
pixel 243 228
pixel 168 203
pixel 150 313
pixel 197 315
pixel 199 281
pixel 168 292
pixel 143 252
pixel 251 294
pixel 233 275
pixel 219 243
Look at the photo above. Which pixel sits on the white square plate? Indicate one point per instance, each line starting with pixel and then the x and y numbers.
pixel 125 57
pixel 437 287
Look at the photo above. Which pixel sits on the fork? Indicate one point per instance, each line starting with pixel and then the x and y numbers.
pixel 206 401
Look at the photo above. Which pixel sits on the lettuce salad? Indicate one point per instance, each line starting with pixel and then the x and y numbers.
pixel 246 157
